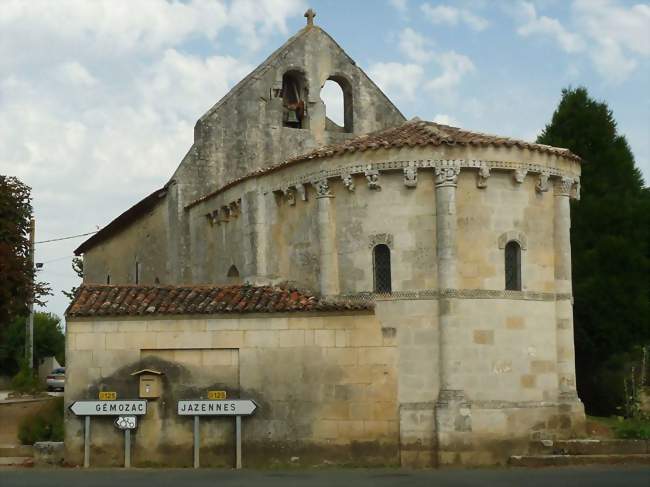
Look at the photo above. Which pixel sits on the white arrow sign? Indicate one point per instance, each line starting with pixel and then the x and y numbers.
pixel 109 408
pixel 234 407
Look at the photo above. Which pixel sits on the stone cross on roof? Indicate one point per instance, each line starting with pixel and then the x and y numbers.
pixel 310 14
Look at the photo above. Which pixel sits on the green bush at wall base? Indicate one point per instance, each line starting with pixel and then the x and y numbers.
pixel 638 429
pixel 45 425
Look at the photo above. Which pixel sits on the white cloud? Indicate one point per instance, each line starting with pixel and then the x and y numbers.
pixel 445 14
pixel 74 73
pixel 397 80
pixel 454 67
pixel 445 119
pixel 399 5
pixel 414 46
pixel 332 96
pixel 620 36
pixel 533 24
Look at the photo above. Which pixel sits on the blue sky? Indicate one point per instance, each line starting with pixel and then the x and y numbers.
pixel 98 99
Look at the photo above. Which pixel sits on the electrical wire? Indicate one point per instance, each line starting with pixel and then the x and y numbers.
pixel 66 238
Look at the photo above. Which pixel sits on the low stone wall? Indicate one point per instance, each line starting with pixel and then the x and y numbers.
pixel 12 411
pixel 48 453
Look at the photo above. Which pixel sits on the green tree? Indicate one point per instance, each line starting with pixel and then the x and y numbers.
pixel 78 268
pixel 610 228
pixel 49 340
pixel 18 284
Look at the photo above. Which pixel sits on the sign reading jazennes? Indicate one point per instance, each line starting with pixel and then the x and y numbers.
pixel 109 408
pixel 234 407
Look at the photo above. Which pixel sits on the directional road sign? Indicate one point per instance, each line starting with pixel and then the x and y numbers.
pixel 233 407
pixel 109 408
pixel 126 422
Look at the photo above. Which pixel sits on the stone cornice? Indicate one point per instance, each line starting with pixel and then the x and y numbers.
pixel 434 294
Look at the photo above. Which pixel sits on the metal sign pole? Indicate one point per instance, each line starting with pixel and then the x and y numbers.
pixel 197 441
pixel 127 448
pixel 238 439
pixel 87 442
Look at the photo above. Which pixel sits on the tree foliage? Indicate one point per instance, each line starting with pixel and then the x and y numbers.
pixel 18 285
pixel 610 245
pixel 78 268
pixel 49 340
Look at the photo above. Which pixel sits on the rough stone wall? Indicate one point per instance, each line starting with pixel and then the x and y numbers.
pixel 326 386
pixel 145 242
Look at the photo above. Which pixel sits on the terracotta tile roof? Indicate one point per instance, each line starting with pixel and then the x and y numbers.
pixel 100 300
pixel 413 133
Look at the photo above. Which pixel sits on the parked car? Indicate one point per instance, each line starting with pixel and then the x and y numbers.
pixel 56 380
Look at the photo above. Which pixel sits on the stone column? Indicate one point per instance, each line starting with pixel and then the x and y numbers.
pixel 453 418
pixel 328 256
pixel 563 289
pixel 570 406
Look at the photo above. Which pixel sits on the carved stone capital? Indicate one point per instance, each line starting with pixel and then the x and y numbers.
pixel 542 183
pixel 410 176
pixel 446 173
pixel 381 238
pixel 563 186
pixel 520 175
pixel 372 175
pixel 483 175
pixel 322 188
pixel 348 182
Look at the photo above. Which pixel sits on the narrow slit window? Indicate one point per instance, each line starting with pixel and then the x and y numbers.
pixel 138 272
pixel 108 278
pixel 513 266
pixel 381 262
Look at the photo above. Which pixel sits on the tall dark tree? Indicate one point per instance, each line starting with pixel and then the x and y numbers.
pixel 610 237
pixel 17 275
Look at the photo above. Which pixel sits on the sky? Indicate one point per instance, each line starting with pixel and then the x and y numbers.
pixel 98 99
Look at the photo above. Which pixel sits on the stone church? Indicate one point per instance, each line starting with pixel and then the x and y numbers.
pixel 388 291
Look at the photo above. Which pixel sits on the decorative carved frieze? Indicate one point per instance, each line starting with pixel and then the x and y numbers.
pixel 381 238
pixel 483 175
pixel 520 174
pixel 542 183
pixel 322 188
pixel 348 181
pixel 411 176
pixel 446 173
pixel 372 175
pixel 563 186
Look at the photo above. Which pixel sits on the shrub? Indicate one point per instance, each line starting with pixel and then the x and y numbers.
pixel 638 429
pixel 26 380
pixel 45 425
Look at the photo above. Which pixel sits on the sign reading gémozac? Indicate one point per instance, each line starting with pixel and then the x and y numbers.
pixel 109 408
pixel 233 407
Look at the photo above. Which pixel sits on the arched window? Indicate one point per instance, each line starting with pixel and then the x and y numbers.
pixel 336 93
pixel 294 94
pixel 381 266
pixel 513 266
pixel 233 275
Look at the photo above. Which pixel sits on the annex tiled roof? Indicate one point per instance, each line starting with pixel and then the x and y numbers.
pixel 101 300
pixel 413 133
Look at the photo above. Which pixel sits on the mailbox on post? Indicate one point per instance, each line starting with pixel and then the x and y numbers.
pixel 150 383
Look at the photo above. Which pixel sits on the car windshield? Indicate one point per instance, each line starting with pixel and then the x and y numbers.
pixel 59 371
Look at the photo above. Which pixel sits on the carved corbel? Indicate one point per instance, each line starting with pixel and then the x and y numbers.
pixel 446 173
pixel 289 195
pixel 542 184
pixel 213 217
pixel 411 176
pixel 348 182
pixel 483 175
pixel 302 191
pixel 225 213
pixel 575 194
pixel 520 175
pixel 372 175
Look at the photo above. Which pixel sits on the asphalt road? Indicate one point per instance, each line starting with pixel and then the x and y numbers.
pixel 547 477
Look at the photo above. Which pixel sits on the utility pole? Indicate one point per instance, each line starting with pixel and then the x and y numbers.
pixel 29 331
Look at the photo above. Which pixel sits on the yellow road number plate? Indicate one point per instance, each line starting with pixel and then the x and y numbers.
pixel 216 395
pixel 107 396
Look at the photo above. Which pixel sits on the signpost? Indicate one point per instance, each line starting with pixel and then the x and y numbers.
pixel 126 410
pixel 232 407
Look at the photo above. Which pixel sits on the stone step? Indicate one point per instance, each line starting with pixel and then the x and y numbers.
pixel 16 451
pixel 16 462
pixel 570 460
pixel 590 447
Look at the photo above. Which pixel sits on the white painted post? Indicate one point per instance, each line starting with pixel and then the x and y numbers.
pixel 127 448
pixel 238 439
pixel 87 442
pixel 197 441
